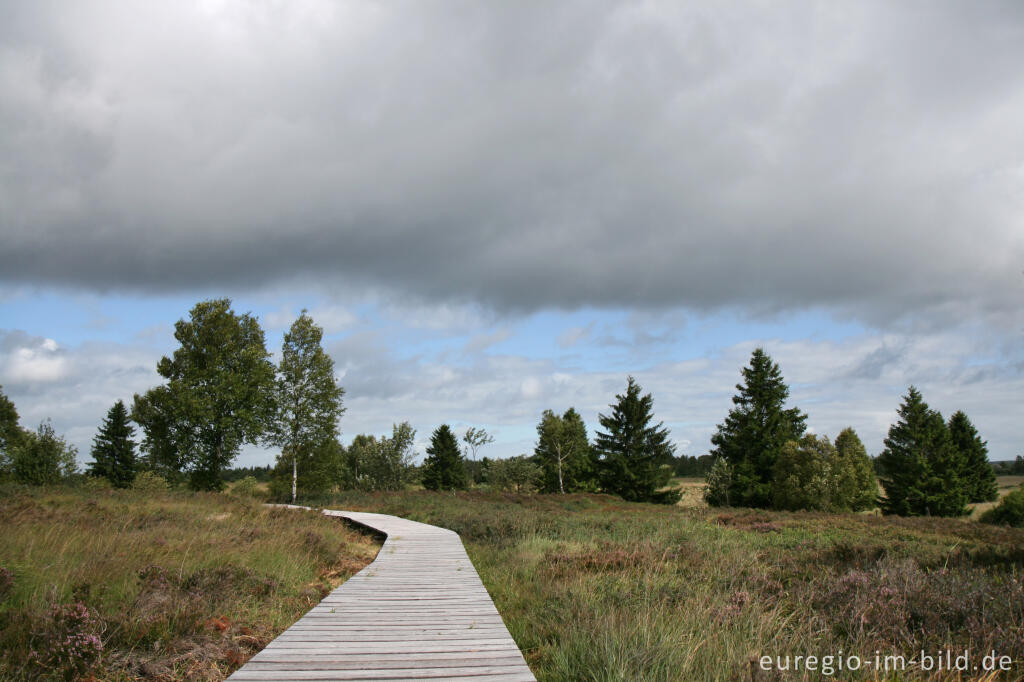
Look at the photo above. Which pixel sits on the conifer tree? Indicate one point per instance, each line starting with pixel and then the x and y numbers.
pixel 922 467
pixel 635 455
pixel 755 430
pixel 113 450
pixel 307 399
pixel 563 453
pixel 856 486
pixel 443 468
pixel 976 475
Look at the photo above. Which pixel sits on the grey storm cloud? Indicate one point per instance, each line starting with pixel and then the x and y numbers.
pixel 861 156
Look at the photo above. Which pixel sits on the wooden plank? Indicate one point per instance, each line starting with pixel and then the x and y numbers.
pixel 396 675
pixel 447 673
pixel 418 611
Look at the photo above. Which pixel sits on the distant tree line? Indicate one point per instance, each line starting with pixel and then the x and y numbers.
pixel 35 457
pixel 222 391
pixel 258 473
pixel 764 458
pixel 1014 467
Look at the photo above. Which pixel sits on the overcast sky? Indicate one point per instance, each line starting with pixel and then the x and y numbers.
pixel 497 208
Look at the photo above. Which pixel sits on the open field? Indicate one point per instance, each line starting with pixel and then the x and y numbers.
pixel 187 586
pixel 593 588
pixel 1006 485
pixel 693 493
pixel 172 585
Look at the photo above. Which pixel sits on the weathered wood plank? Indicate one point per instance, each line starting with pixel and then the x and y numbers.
pixel 439 674
pixel 419 611
pixel 447 673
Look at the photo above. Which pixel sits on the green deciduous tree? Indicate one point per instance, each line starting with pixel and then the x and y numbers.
pixel 1009 511
pixel 307 397
pixel 921 465
pixel 814 474
pixel 717 483
pixel 635 455
pixel 159 452
pixel 319 470
pixel 43 457
pixel 355 455
pixel 382 464
pixel 475 439
pixel 11 435
pixel 802 474
pixel 755 430
pixel 516 474
pixel 976 475
pixel 563 453
pixel 113 450
pixel 442 469
pixel 855 486
pixel 218 395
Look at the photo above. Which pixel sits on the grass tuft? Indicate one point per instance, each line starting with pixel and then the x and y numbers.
pixel 127 584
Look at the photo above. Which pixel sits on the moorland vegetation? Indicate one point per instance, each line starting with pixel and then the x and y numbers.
pixel 794 543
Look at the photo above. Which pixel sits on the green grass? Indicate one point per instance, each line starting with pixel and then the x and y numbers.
pixel 174 585
pixel 593 588
pixel 187 586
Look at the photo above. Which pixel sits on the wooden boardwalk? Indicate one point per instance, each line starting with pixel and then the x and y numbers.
pixel 418 612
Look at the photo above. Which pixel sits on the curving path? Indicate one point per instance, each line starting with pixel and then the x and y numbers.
pixel 418 612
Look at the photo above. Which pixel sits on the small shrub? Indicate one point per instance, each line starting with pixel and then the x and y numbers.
pixel 96 483
pixel 68 642
pixel 247 487
pixel 1009 511
pixel 149 482
pixel 716 489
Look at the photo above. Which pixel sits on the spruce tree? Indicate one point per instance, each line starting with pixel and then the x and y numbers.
pixel 564 453
pixel 308 402
pixel 113 450
pixel 443 469
pixel 635 455
pixel 922 467
pixel 977 476
pixel 856 486
pixel 755 430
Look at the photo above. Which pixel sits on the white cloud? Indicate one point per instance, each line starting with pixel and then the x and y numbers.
pixel 42 364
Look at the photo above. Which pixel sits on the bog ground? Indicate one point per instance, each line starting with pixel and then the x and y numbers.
pixel 591 587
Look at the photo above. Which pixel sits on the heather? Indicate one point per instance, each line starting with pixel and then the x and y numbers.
pixel 596 588
pixel 127 584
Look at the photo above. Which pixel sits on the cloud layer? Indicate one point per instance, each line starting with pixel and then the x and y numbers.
pixel 861 157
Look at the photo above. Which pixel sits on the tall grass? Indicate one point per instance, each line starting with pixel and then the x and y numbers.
pixel 593 588
pixel 126 585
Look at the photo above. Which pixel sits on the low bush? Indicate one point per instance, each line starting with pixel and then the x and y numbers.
pixel 1009 511
pixel 149 482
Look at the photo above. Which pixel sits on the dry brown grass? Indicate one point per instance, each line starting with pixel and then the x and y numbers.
pixel 174 585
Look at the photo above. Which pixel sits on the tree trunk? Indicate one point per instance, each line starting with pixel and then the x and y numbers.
pixel 561 484
pixel 295 475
